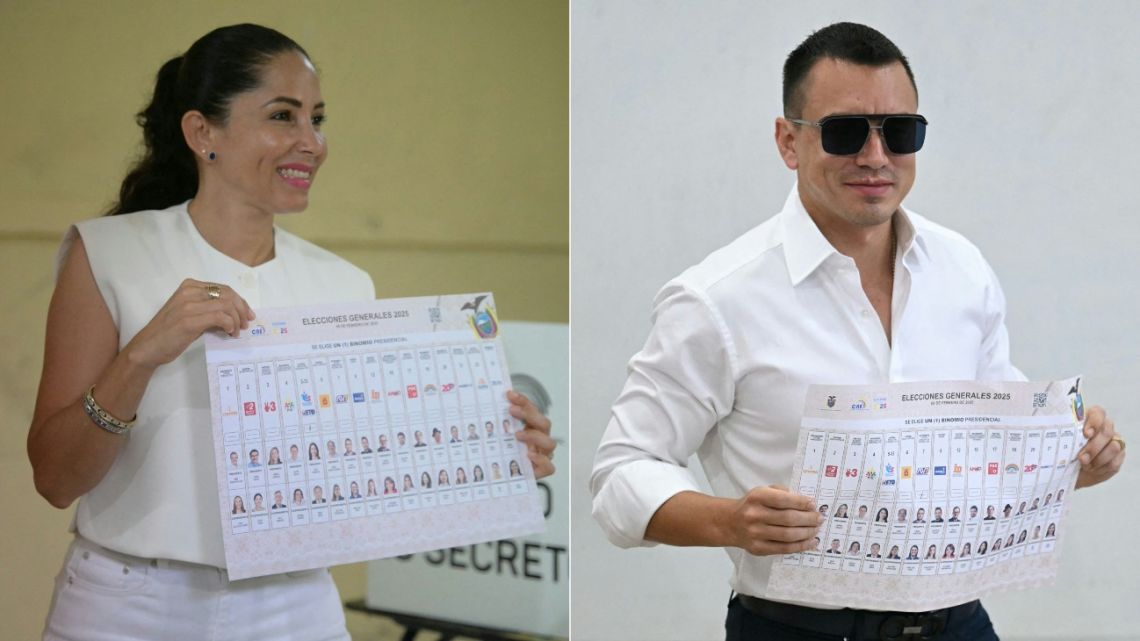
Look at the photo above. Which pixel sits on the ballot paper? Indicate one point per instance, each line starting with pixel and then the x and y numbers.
pixel 934 493
pixel 360 431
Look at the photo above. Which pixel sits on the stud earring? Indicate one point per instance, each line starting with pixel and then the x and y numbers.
pixel 212 156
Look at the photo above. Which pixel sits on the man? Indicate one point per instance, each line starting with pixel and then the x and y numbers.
pixel 874 553
pixel 319 495
pixel 348 451
pixel 920 515
pixel 843 285
pixel 862 514
pixel 383 447
pixel 234 459
pixel 937 515
pixel 437 436
pixel 455 435
pixel 294 453
pixel 365 448
pixel 834 549
pixel 973 512
pixel 278 500
pixel 419 439
pixel 254 459
pixel 990 514
pixel 955 513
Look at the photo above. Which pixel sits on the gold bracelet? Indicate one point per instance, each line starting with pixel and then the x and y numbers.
pixel 102 417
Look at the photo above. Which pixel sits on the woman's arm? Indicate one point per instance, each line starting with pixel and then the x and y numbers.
pixel 68 452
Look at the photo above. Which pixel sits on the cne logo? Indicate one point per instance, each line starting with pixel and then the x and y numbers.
pixel 257 330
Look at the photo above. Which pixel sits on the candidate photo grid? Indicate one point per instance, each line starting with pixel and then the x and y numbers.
pixel 345 436
pixel 934 502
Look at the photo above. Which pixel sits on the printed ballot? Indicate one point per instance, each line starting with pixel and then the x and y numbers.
pixel 360 431
pixel 934 493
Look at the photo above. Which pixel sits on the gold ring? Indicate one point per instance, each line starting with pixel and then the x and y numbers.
pixel 1119 439
pixel 214 291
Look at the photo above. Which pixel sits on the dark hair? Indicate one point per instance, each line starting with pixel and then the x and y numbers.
pixel 221 64
pixel 846 41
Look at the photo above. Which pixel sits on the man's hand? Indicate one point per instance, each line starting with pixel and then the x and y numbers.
pixel 772 520
pixel 1103 455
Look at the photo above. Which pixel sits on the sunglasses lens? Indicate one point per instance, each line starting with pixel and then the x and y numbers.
pixel 904 134
pixel 844 136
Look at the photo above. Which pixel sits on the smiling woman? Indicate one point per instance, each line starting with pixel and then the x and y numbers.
pixel 233 138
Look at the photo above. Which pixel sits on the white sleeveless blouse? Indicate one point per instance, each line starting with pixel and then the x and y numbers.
pixel 159 499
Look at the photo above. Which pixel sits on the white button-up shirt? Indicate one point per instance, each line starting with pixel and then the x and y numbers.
pixel 737 339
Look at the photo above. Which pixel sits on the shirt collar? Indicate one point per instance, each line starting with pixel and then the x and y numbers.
pixel 805 247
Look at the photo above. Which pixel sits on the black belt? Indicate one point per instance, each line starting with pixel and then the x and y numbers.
pixel 888 626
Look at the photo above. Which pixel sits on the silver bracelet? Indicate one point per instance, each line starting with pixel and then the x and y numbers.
pixel 102 417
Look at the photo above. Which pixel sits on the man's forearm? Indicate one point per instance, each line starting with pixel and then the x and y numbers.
pixel 692 518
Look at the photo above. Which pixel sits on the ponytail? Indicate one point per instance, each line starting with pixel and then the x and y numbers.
pixel 166 174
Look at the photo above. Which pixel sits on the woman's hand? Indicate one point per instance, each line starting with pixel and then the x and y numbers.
pixel 188 313
pixel 536 434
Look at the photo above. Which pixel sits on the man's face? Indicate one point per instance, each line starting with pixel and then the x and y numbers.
pixel 254 456
pixel 846 194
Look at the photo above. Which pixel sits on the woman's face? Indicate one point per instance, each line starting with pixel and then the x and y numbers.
pixel 271 145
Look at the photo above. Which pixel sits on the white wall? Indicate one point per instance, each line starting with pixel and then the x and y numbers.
pixel 1031 152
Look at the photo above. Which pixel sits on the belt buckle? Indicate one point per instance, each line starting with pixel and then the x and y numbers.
pixel 913 627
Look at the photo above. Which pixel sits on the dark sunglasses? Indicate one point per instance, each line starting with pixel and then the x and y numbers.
pixel 846 135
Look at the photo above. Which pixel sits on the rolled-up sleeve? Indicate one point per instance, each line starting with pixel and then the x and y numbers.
pixel 680 384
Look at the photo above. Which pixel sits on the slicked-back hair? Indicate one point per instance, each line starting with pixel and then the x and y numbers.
pixel 847 41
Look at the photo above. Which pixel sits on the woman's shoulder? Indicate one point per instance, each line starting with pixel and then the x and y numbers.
pixel 131 226
pixel 321 260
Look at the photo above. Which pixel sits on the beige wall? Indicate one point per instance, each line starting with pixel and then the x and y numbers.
pixel 447 173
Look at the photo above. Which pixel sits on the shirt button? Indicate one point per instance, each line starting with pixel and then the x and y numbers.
pixel 866 313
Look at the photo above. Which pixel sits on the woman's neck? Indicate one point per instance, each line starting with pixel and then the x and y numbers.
pixel 240 231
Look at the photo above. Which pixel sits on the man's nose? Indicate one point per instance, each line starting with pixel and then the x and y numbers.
pixel 874 151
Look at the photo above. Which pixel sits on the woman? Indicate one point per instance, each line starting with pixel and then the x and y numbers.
pixel 477 473
pixel 389 486
pixel 515 469
pixel 894 553
pixel 443 480
pixel 408 484
pixel 931 553
pixel 841 511
pixel 425 481
pixel 460 476
pixel 882 515
pixel 314 452
pixel 298 498
pixel 337 496
pixel 274 457
pixel 372 487
pixel 232 138
pixel 239 506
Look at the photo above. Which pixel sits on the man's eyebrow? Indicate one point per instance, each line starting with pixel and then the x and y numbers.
pixel 291 101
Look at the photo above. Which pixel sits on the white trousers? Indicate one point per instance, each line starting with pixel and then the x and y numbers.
pixel 106 596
